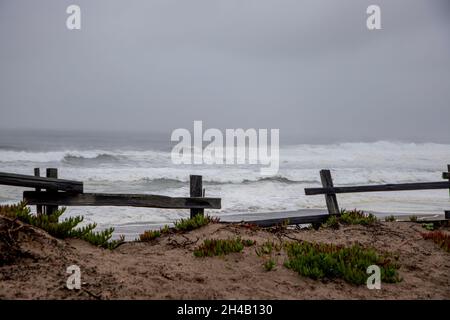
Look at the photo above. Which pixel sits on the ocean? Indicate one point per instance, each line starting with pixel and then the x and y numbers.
pixel 141 163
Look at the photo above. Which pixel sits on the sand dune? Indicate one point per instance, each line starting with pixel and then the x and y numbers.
pixel 167 269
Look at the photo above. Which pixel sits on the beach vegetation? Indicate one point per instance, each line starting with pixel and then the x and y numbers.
pixel 357 217
pixel 332 222
pixel 350 217
pixel 248 242
pixel 181 225
pixel 270 264
pixel 413 218
pixel 67 228
pixel 267 248
pixel 165 229
pixel 220 247
pixel 329 261
pixel 390 218
pixel 196 222
pixel 442 239
pixel 149 235
pixel 266 251
pixel 428 226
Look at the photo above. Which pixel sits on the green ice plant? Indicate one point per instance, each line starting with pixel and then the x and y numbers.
pixel 62 229
pixel 328 261
pixel 350 217
pixel 181 225
pixel 220 247
pixel 193 223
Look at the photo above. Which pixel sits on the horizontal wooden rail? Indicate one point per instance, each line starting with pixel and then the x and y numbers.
pixel 290 220
pixel 132 200
pixel 380 187
pixel 21 180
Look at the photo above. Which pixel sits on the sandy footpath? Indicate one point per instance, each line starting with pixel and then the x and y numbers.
pixel 167 269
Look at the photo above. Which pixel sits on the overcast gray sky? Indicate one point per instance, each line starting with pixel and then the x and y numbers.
pixel 309 68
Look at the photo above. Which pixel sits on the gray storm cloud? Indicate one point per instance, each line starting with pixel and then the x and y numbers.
pixel 310 68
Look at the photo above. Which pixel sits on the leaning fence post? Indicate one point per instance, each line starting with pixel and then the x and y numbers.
pixel 448 176
pixel 51 173
pixel 37 173
pixel 196 190
pixel 330 198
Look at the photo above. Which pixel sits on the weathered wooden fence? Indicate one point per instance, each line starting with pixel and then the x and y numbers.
pixel 330 191
pixel 22 180
pixel 59 192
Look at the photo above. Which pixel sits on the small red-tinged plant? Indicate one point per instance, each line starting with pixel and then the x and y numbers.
pixel 150 235
pixel 220 247
pixel 442 239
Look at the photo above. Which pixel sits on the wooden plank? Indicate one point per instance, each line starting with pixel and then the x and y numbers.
pixel 196 190
pixel 51 173
pixel 290 221
pixel 21 180
pixel 381 187
pixel 37 173
pixel 250 216
pixel 131 200
pixel 330 198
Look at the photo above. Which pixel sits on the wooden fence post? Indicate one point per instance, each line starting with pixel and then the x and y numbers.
pixel 448 174
pixel 447 213
pixel 330 198
pixel 51 173
pixel 37 173
pixel 196 190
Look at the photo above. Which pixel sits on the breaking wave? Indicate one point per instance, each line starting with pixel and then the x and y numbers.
pixel 242 187
pixel 98 159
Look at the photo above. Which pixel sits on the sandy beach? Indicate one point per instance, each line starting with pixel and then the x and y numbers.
pixel 166 268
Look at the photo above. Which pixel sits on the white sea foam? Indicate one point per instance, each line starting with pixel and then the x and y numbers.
pixel 241 187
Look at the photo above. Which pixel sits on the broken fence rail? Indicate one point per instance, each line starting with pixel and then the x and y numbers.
pixel 60 192
pixel 128 200
pixel 21 180
pixel 330 191
pixel 380 187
